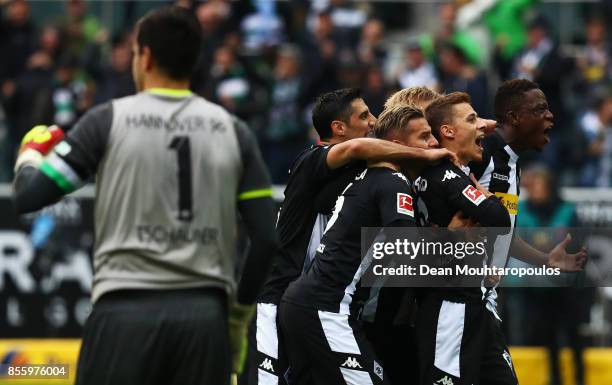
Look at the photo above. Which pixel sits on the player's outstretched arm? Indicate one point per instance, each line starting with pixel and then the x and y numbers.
pixel 372 149
pixel 558 256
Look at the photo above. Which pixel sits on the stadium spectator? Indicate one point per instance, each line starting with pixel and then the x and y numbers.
pixel 447 31
pixel 370 49
pixel 375 90
pixel 263 28
pixel 285 134
pixel 319 54
pixel 213 23
pixel 418 71
pixel 458 75
pixel 80 28
pixel 594 69
pixel 17 37
pixel 554 313
pixel 113 77
pixel 64 99
pixel 596 128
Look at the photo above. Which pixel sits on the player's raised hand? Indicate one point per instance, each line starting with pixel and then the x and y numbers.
pixel 435 154
pixel 559 257
pixel 480 187
pixel 42 139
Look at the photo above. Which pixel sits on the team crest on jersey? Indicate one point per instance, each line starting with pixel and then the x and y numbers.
pixel 449 174
pixel 404 204
pixel 473 195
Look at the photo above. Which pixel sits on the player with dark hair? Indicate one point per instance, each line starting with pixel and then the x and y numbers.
pixel 317 177
pixel 318 313
pixel 525 123
pixel 457 338
pixel 172 172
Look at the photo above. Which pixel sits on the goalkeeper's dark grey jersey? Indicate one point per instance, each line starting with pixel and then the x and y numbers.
pixel 170 168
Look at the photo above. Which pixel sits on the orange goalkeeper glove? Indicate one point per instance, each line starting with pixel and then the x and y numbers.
pixel 37 143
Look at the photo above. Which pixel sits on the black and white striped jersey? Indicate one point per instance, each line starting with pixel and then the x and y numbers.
pixel 299 215
pixel 378 197
pixel 499 173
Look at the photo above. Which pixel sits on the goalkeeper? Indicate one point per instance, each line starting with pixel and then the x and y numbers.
pixel 172 172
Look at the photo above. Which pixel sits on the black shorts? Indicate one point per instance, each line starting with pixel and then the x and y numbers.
pixel 391 333
pixel 266 362
pixel 461 344
pixel 327 348
pixel 156 337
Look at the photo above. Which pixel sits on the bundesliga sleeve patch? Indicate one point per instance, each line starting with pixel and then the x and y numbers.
pixel 404 204
pixel 473 195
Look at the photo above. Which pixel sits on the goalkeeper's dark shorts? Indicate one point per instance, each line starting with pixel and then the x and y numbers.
pixel 461 344
pixel 157 337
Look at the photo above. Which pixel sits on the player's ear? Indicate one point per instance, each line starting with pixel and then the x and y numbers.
pixel 447 131
pixel 513 118
pixel 147 58
pixel 338 128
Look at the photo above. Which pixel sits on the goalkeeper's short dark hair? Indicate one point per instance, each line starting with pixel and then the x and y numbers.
pixel 334 105
pixel 510 95
pixel 174 37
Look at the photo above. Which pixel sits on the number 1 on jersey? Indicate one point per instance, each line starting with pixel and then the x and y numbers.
pixel 185 197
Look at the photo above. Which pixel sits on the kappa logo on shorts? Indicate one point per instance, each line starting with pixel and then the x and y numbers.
pixel 449 174
pixel 446 380
pixel 267 364
pixel 352 363
pixel 404 204
pixel 473 195
pixel 378 370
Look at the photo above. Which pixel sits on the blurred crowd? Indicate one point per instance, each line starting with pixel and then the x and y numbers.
pixel 266 61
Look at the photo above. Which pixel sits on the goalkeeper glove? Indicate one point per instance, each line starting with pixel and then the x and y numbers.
pixel 37 143
pixel 239 318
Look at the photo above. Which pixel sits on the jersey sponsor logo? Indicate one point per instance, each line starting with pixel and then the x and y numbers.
pixel 351 362
pixel 378 370
pixel 321 248
pixel 473 195
pixel 510 202
pixel 446 380
pixel 404 204
pixel 500 176
pixel 449 174
pixel 267 364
